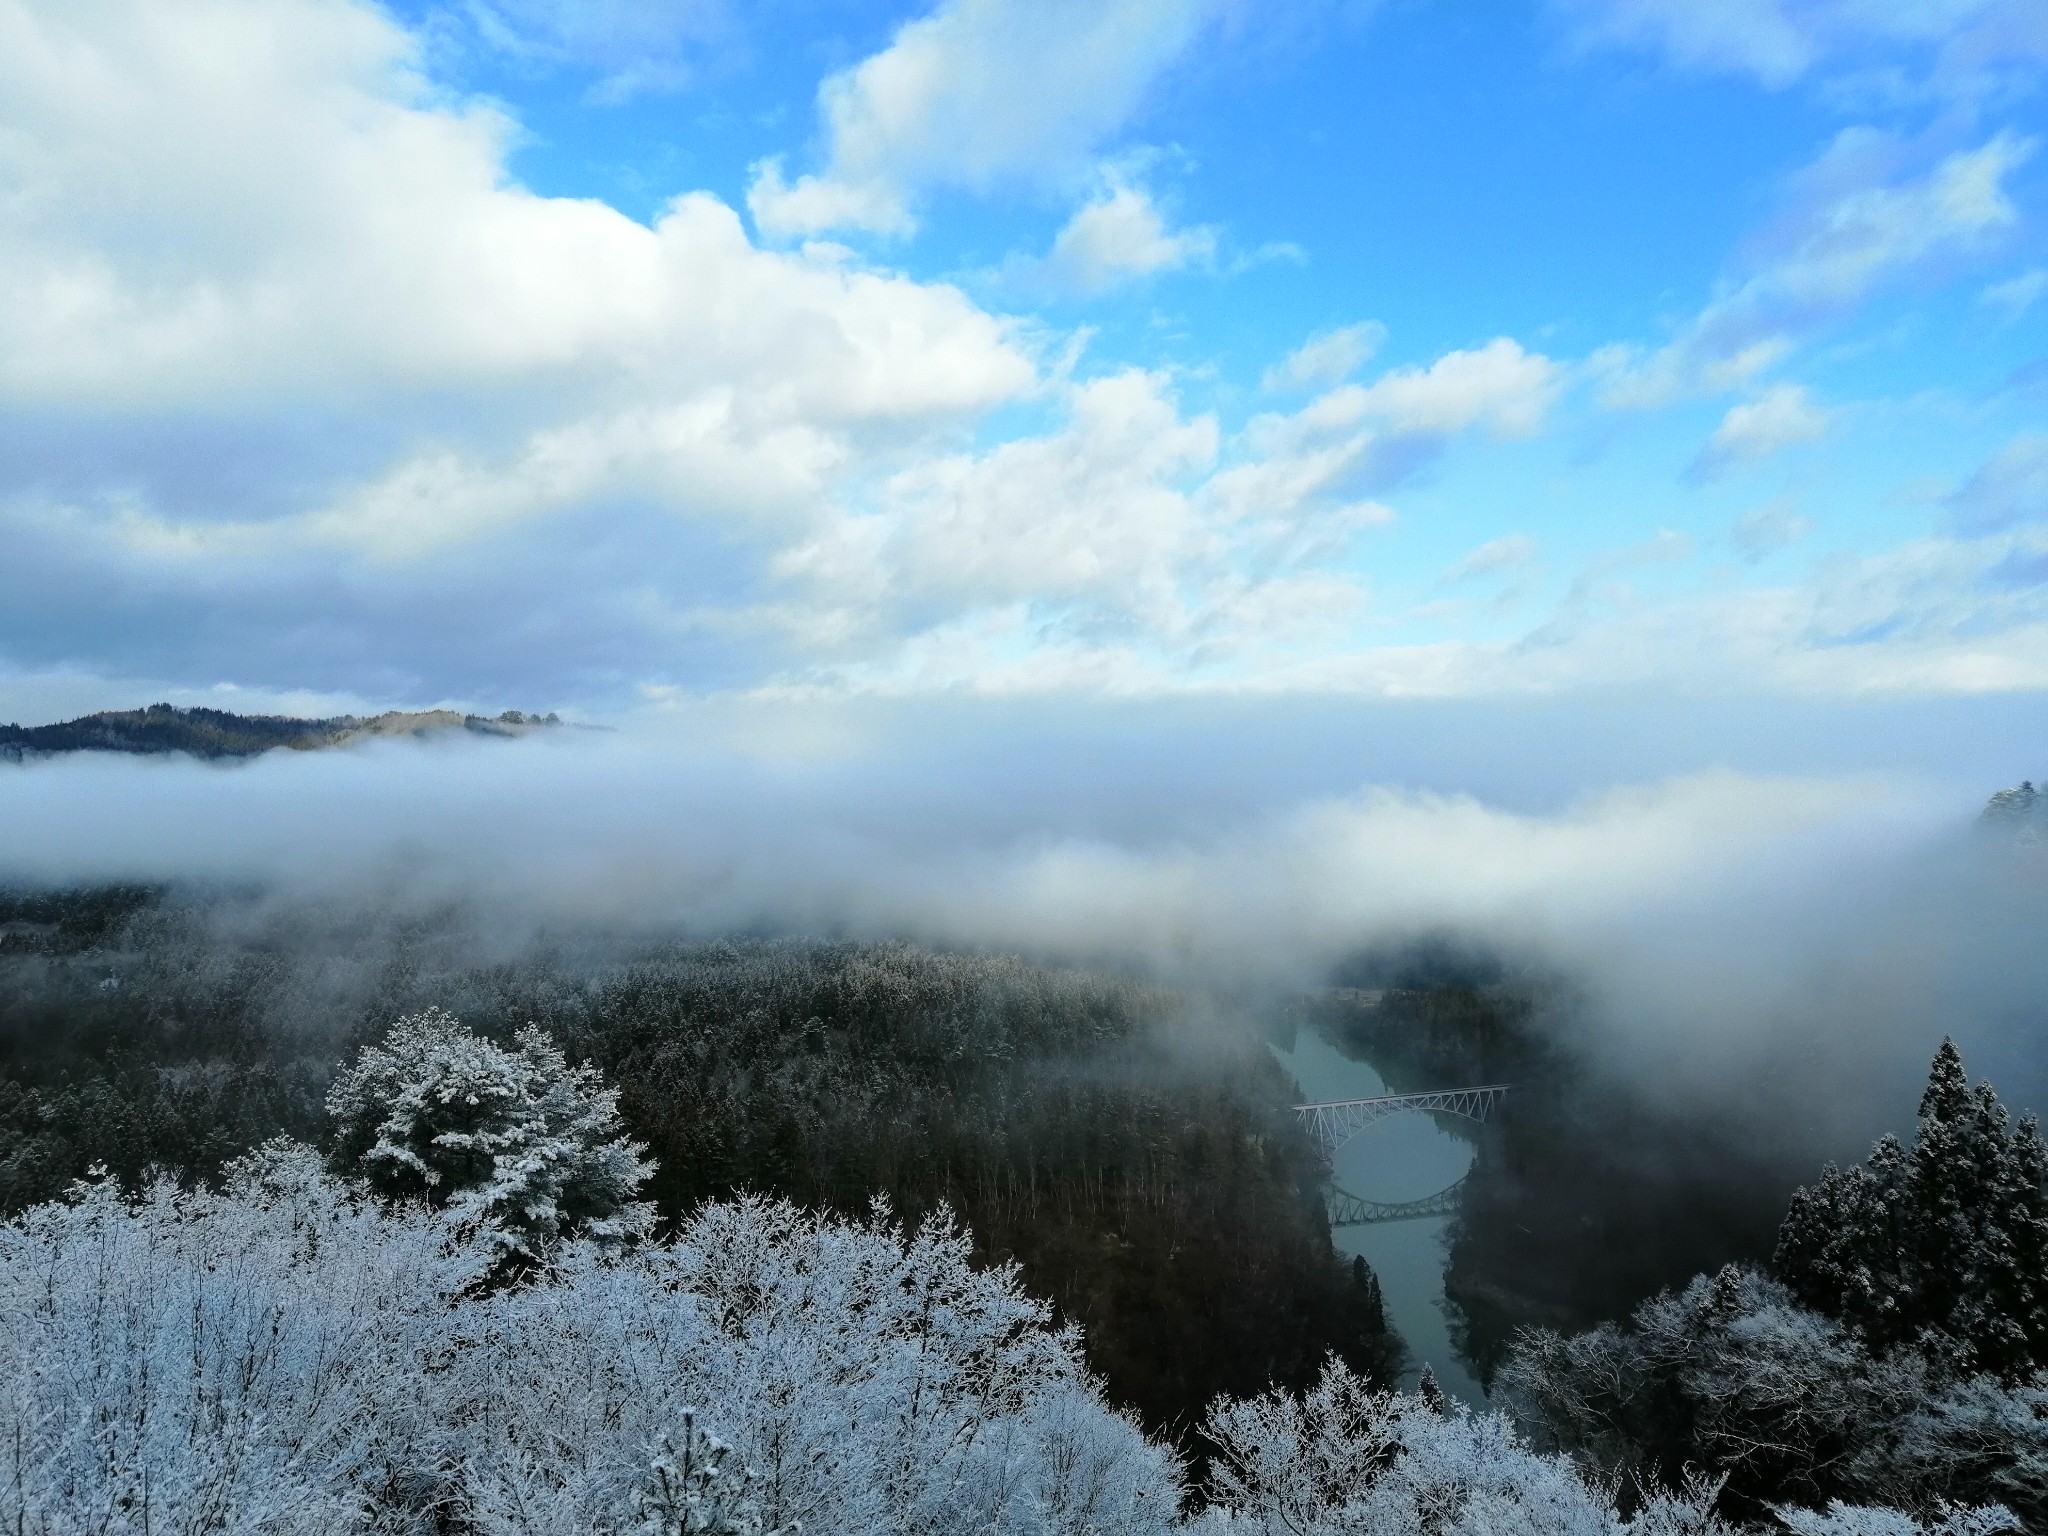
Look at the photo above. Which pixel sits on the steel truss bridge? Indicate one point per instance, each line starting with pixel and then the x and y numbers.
pixel 1348 1210
pixel 1336 1123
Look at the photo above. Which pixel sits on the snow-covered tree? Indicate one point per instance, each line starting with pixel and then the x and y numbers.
pixel 519 1141
pixel 1731 1374
pixel 1840 1519
pixel 874 1380
pixel 695 1487
pixel 1431 1392
pixel 1946 1244
pixel 1346 1460
pixel 258 1360
pixel 291 1354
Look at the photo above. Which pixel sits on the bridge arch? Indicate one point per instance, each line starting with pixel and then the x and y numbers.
pixel 1349 1210
pixel 1332 1124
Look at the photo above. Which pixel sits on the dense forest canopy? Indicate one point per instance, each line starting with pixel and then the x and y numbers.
pixel 307 1345
pixel 556 1130
pixel 1131 1152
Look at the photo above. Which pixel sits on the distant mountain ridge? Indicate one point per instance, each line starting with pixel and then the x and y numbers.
pixel 216 733
pixel 2020 812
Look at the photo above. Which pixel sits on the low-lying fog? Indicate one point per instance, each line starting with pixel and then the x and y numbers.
pixel 1805 909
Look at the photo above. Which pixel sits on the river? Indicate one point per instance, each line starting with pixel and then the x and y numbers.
pixel 1403 1157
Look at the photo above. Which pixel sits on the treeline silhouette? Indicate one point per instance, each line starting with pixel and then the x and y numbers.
pixel 218 733
pixel 1131 1156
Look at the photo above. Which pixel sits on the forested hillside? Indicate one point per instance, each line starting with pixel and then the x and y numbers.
pixel 216 733
pixel 689 1231
pixel 1133 1156
pixel 461 1320
pixel 2019 813
pixel 1586 1195
pixel 1891 1350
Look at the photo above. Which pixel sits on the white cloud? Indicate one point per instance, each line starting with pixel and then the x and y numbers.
pixel 1755 37
pixel 1777 42
pixel 1499 386
pixel 323 399
pixel 976 93
pixel 298 224
pixel 1852 228
pixel 1865 633
pixel 1124 526
pixel 1327 358
pixel 528 437
pixel 1357 441
pixel 1507 554
pixel 1763 531
pixel 1135 541
pixel 2017 295
pixel 1783 416
pixel 1092 510
pixel 1855 231
pixel 1119 236
pixel 293 213
pixel 316 397
pixel 2009 491
pixel 1931 618
pixel 1135 858
pixel 635 46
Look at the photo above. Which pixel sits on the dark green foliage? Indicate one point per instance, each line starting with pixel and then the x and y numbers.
pixel 165 728
pixel 1894 1360
pixel 1134 1158
pixel 1945 1245
pixel 1130 1158
pixel 1732 1377
pixel 1443 1033
pixel 65 922
pixel 130 1115
pixel 127 1039
pixel 1585 1199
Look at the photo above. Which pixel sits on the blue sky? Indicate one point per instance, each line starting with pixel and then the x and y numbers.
pixel 619 357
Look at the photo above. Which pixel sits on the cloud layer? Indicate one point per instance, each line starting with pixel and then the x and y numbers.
pixel 974 94
pixel 1700 917
pixel 306 393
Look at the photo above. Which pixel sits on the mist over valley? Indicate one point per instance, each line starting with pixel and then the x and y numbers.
pixel 1077 1032
pixel 1023 768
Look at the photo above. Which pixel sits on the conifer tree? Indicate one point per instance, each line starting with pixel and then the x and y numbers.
pixel 1431 1392
pixel 1944 1244
pixel 696 1488
pixel 518 1140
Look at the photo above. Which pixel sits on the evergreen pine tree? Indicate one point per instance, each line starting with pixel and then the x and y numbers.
pixel 1945 1192
pixel 519 1139
pixel 1842 1247
pixel 1432 1393
pixel 696 1487
pixel 1945 1244
pixel 1373 1305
